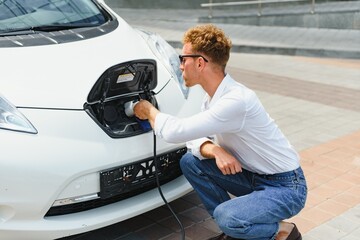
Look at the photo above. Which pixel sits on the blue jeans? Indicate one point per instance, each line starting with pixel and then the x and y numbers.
pixel 260 202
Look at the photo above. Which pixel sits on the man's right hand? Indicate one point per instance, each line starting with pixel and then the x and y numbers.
pixel 226 162
pixel 144 110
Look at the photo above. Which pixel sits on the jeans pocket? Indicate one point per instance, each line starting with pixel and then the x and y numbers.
pixel 303 194
pixel 299 198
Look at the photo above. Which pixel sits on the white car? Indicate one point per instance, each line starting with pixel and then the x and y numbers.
pixel 71 159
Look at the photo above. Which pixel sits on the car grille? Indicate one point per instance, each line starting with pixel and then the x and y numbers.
pixel 126 181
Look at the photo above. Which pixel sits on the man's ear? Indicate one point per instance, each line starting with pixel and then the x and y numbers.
pixel 201 62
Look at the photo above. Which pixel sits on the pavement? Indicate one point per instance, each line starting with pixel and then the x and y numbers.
pixel 314 96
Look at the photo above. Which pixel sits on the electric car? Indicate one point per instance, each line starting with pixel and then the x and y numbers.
pixel 71 159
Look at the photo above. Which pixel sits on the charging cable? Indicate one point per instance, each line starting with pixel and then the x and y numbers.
pixel 160 191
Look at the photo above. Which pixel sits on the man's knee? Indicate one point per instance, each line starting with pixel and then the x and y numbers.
pixel 222 216
pixel 187 161
pixel 191 166
pixel 228 221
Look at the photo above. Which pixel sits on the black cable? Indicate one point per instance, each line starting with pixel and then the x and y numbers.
pixel 161 193
pixel 163 87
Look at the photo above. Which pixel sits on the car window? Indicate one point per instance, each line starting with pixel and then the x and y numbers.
pixel 16 15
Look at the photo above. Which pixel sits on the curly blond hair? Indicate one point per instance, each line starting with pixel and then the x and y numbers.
pixel 211 41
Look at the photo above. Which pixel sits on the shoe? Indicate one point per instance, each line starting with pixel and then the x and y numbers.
pixel 294 234
pixel 222 236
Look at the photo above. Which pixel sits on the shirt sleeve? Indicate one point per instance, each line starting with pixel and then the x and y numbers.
pixel 194 146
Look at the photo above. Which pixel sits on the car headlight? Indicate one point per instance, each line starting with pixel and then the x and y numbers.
pixel 168 55
pixel 12 119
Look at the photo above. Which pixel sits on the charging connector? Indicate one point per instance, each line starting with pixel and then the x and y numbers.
pixel 129 111
pixel 129 108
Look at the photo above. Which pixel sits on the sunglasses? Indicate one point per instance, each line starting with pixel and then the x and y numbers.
pixel 181 57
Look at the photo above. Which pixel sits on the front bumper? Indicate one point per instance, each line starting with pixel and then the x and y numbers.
pixel 125 181
pixel 66 225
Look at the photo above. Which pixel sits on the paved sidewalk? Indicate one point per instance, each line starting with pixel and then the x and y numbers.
pixel 315 101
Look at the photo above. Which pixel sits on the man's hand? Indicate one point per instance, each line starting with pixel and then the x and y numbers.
pixel 226 162
pixel 146 111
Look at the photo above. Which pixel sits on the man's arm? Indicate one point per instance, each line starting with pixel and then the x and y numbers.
pixel 224 160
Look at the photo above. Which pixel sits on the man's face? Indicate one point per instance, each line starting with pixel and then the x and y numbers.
pixel 188 67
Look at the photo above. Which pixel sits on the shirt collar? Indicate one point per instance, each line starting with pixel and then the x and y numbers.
pixel 219 91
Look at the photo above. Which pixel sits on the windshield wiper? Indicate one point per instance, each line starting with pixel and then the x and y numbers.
pixel 43 28
pixel 58 27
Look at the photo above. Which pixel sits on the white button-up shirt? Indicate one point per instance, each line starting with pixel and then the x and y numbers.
pixel 236 120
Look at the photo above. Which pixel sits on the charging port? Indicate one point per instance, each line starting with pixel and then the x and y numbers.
pixel 130 81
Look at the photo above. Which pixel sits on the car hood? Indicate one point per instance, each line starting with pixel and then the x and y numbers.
pixel 62 75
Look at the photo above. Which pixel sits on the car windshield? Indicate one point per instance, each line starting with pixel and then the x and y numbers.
pixel 48 15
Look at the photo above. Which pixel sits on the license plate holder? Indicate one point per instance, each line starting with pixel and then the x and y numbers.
pixel 140 176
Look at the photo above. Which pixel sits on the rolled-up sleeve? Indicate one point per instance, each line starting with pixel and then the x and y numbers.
pixel 194 146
